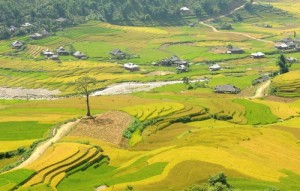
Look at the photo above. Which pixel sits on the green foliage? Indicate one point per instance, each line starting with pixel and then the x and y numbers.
pixel 132 128
pixel 217 182
pixel 42 13
pixel 10 154
pixel 140 126
pixel 283 65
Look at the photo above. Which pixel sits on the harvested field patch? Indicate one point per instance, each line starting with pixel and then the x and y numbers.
pixel 108 127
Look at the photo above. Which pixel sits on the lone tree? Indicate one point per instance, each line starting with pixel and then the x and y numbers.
pixel 186 81
pixel 83 85
pixel 283 65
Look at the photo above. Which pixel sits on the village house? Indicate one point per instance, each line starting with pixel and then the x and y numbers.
pixel 45 33
pixel 286 40
pixel 79 55
pixel 227 89
pixel 184 9
pixel 17 44
pixel 118 54
pixel 36 36
pixel 26 25
pixel 131 67
pixel 54 57
pixel 12 29
pixel 258 55
pixel 62 51
pixel 291 45
pixel 291 59
pixel 260 80
pixel 182 68
pixel 235 50
pixel 41 35
pixel 281 46
pixel 215 67
pixel 48 53
pixel 173 61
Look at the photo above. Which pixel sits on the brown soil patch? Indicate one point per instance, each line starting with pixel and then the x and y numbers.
pixel 108 127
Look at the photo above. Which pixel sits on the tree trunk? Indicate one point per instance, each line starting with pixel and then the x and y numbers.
pixel 88 105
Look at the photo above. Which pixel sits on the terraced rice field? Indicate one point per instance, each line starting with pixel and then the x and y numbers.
pixel 287 85
pixel 60 159
pixel 257 146
pixel 34 50
pixel 151 111
pixel 257 113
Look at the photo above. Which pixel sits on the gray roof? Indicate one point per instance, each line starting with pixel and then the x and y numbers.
pixel 45 33
pixel 61 49
pixel 17 44
pixel 227 88
pixel 261 79
pixel 78 54
pixel 116 52
pixel 235 49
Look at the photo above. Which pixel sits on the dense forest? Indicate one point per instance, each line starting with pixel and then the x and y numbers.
pixel 44 13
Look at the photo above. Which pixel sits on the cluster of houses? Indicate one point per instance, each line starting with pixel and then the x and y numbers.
pixel 288 44
pixel 13 29
pixel 236 50
pixel 37 36
pixel 181 65
pixel 61 51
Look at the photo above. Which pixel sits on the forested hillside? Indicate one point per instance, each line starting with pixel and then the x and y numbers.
pixel 43 13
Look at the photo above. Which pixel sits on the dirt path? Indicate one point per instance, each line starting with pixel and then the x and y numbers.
pixel 62 131
pixel 214 29
pixel 260 92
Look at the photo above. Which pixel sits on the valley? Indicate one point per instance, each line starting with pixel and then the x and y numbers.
pixel 172 104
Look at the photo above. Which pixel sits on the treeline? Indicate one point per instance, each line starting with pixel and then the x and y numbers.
pixel 43 13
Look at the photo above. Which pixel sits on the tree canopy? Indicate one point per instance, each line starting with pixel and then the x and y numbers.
pixel 43 13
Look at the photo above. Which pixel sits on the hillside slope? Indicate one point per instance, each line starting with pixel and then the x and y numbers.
pixel 43 13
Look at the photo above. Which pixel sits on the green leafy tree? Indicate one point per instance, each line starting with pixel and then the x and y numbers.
pixel 283 65
pixel 186 81
pixel 217 182
pixel 84 85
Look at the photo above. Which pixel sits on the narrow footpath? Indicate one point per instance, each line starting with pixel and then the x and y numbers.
pixel 40 149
